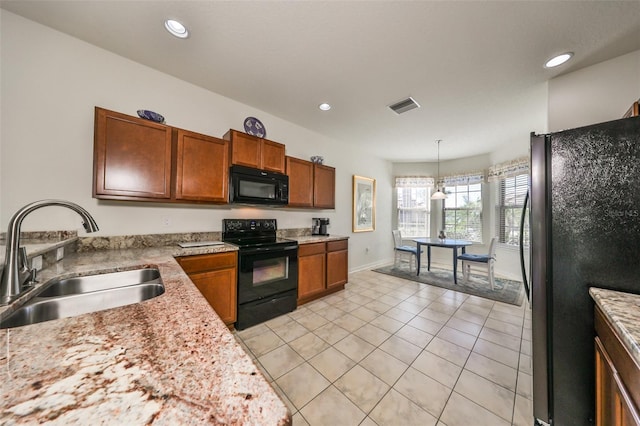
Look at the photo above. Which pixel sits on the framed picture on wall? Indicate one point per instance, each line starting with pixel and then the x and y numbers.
pixel 364 204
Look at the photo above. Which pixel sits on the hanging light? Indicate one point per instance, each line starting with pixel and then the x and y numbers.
pixel 438 195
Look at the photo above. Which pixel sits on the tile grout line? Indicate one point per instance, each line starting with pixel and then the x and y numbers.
pixel 406 295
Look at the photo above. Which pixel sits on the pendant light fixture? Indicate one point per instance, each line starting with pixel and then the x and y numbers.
pixel 438 195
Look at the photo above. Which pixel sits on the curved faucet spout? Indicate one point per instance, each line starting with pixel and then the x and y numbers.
pixel 15 275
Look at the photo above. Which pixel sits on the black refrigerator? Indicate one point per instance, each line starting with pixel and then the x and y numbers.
pixel 585 232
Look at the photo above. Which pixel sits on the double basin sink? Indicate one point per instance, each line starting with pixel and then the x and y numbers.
pixel 62 298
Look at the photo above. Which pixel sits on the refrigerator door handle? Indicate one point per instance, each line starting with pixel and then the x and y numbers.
pixel 521 241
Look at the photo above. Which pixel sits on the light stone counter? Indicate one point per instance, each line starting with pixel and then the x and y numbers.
pixel 623 311
pixel 309 239
pixel 166 361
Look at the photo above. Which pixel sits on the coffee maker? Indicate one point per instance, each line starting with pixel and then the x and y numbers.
pixel 320 226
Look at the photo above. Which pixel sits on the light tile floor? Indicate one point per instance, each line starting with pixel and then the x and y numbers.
pixel 387 351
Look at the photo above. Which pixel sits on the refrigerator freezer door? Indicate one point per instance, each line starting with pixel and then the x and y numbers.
pixel 585 233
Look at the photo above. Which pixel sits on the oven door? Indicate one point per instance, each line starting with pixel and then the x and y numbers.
pixel 266 271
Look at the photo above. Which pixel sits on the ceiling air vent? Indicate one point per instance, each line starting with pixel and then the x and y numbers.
pixel 404 105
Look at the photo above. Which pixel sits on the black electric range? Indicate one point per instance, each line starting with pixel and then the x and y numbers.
pixel 267 270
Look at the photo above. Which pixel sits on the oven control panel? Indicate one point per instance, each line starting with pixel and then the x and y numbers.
pixel 234 225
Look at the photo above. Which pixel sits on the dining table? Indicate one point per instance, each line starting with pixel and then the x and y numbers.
pixel 445 243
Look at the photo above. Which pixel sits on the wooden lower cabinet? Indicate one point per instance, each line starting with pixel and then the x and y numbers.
pixel 322 269
pixel 337 263
pixel 312 266
pixel 215 275
pixel 617 378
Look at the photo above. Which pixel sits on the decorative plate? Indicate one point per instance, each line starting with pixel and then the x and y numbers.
pixel 150 115
pixel 254 127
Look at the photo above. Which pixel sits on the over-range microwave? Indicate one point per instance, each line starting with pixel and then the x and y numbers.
pixel 254 186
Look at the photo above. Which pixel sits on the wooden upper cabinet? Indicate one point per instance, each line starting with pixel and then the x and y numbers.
pixel 273 156
pixel 300 174
pixel 132 157
pixel 634 111
pixel 324 186
pixel 137 159
pixel 202 167
pixel 245 149
pixel 310 184
pixel 251 151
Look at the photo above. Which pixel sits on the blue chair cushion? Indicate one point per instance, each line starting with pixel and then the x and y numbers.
pixel 482 258
pixel 407 249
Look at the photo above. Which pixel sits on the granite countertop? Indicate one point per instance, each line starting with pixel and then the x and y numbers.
pixel 623 311
pixel 309 239
pixel 168 360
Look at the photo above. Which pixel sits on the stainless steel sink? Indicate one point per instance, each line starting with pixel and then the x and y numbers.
pixel 81 295
pixel 90 283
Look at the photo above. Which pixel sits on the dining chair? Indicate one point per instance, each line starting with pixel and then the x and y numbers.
pixel 483 261
pixel 401 250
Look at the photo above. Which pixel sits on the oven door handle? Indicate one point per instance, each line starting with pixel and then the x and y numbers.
pixel 269 249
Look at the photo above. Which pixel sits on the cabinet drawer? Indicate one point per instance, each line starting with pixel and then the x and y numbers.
pixel 309 249
pixel 337 245
pixel 207 262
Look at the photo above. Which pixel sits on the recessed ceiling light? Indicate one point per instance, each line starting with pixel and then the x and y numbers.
pixel 176 28
pixel 558 60
pixel 324 106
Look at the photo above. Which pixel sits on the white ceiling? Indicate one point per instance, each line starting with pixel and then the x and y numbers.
pixel 471 65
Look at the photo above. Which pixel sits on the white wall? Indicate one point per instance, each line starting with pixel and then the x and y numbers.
pixel 50 83
pixel 508 263
pixel 595 94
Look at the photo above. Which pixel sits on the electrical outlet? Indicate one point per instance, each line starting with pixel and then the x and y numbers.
pixel 166 221
pixel 36 263
pixel 59 253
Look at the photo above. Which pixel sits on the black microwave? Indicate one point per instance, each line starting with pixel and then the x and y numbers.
pixel 254 186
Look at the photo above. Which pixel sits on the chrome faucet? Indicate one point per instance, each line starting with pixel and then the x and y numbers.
pixel 16 272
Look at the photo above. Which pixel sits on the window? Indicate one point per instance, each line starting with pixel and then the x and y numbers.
pixel 413 196
pixel 511 193
pixel 463 212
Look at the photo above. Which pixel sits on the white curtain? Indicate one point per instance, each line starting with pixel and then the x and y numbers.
pixel 469 178
pixel 415 182
pixel 511 168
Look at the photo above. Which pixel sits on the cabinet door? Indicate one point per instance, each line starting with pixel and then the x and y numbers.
pixel 300 174
pixel 311 269
pixel 614 405
pixel 219 288
pixel 245 149
pixel 337 263
pixel 324 191
pixel 272 156
pixel 202 167
pixel 132 157
pixel 605 387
